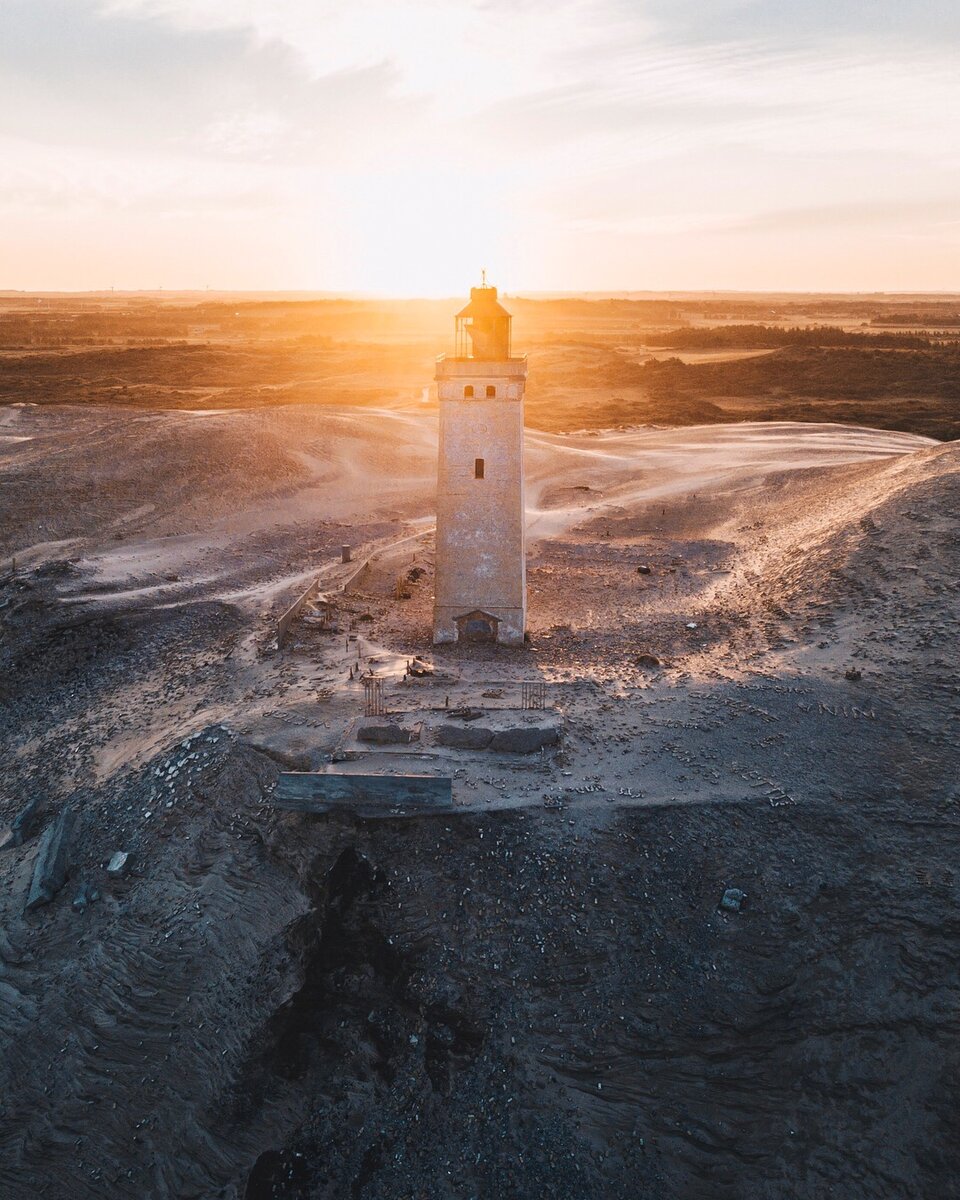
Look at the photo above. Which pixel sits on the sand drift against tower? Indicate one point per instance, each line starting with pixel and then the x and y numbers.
pixel 481 580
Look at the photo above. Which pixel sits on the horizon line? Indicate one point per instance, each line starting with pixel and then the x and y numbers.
pixel 523 294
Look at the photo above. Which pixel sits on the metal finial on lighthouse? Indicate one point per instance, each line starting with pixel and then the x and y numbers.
pixel 483 277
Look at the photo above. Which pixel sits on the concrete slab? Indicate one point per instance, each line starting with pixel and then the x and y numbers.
pixel 363 795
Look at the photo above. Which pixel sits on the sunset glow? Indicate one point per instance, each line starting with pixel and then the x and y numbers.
pixel 393 146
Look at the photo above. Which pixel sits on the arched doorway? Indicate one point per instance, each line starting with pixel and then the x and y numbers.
pixel 477 626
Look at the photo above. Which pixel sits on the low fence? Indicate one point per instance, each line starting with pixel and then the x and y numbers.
pixel 294 611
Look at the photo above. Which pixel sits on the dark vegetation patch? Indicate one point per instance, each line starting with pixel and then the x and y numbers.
pixel 756 337
pixel 914 391
pixel 591 364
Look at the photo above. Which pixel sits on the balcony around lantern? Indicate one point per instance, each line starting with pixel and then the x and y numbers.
pixel 454 367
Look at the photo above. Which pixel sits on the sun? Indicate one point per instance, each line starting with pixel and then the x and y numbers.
pixel 418 232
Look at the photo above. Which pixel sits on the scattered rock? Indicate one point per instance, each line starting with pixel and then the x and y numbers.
pixel 733 899
pixel 119 864
pixel 420 666
pixel 648 660
pixel 466 714
pixel 854 674
pixel 644 569
pixel 385 735
pixel 86 895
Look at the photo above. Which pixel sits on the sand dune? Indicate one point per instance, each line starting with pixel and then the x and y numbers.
pixel 769 703
pixel 635 467
pixel 175 487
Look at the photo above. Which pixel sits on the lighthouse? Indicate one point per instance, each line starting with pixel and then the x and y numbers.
pixel 481 571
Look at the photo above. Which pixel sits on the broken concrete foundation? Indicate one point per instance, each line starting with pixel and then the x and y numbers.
pixel 521 739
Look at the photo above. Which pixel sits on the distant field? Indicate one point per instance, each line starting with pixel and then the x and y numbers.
pixel 594 363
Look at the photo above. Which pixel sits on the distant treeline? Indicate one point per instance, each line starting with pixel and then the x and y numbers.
pixel 948 320
pixel 762 337
pixel 89 329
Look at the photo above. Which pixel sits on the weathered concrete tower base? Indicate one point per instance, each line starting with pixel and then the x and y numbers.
pixel 481 575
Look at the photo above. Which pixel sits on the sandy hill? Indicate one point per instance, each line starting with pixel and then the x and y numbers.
pixel 748 634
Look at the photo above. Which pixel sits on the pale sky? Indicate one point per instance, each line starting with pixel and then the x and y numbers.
pixel 397 146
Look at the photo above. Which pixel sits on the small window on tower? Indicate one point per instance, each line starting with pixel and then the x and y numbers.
pixel 478 468
pixel 491 391
pixel 468 392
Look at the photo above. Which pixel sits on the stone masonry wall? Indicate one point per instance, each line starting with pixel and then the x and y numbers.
pixel 481 559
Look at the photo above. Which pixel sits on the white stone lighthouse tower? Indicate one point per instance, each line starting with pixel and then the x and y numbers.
pixel 481 571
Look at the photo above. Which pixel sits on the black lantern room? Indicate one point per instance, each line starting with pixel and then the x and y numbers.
pixel 483 327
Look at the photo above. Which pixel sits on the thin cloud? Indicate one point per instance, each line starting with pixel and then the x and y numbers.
pixel 573 137
pixel 882 214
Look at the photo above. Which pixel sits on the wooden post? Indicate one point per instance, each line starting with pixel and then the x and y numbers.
pixel 372 696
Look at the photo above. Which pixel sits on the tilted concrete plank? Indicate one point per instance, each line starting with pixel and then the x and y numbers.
pixel 53 861
pixel 283 625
